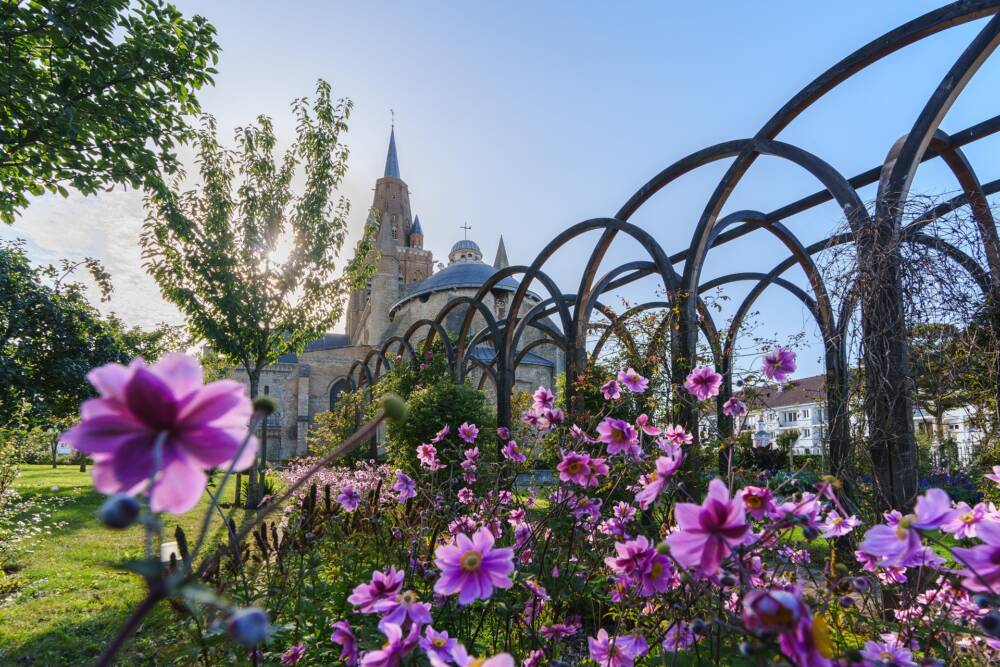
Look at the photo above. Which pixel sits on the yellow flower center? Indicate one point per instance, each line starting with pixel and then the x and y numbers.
pixel 837 521
pixel 754 502
pixel 471 560
pixel 477 662
pixel 652 476
pixel 438 642
pixel 968 517
pixel 408 597
pixel 574 467
pixel 617 435
pixel 886 657
pixel 657 570
pixel 821 635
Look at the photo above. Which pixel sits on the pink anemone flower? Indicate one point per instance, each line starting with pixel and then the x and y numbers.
pixel 654 482
pixel 611 390
pixel 472 567
pixel 708 532
pixel 619 651
pixel 619 435
pixel 199 426
pixel 703 383
pixel 642 421
pixel 734 407
pixel 779 363
pixel 632 381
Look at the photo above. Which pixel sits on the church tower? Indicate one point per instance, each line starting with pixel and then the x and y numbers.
pixel 403 259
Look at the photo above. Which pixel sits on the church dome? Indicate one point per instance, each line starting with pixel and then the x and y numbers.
pixel 465 251
pixel 460 275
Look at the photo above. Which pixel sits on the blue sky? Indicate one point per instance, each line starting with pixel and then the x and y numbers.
pixel 524 118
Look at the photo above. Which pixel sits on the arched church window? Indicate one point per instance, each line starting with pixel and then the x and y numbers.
pixel 335 390
pixel 395 232
pixel 501 304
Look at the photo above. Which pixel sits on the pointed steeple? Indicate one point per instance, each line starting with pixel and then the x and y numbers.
pixel 391 159
pixel 500 262
pixel 415 229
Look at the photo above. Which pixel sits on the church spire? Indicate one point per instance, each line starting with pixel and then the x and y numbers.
pixel 391 160
pixel 500 262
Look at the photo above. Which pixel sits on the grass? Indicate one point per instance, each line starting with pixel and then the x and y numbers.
pixel 74 598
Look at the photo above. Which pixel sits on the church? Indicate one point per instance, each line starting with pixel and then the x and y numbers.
pixel 405 288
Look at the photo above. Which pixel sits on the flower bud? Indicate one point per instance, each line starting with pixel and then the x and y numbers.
pixel 727 580
pixel 810 533
pixel 846 602
pixel 119 511
pixel 249 627
pixel 990 623
pixel 394 407
pixel 663 548
pixel 699 627
pixel 841 569
pixel 861 584
pixel 265 405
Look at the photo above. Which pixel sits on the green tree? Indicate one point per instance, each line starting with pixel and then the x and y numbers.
pixel 51 336
pixel 94 93
pixel 939 365
pixel 251 265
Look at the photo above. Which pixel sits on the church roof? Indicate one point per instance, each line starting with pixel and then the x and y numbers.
pixel 501 261
pixel 468 275
pixel 330 341
pixel 415 229
pixel 391 159
pixel 485 354
pixel 466 244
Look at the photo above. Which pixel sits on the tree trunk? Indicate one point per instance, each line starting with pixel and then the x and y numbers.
pixel 55 452
pixel 252 499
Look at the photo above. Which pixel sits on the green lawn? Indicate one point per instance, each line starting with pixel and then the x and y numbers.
pixel 74 599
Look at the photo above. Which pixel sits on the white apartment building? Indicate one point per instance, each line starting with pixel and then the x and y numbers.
pixel 800 405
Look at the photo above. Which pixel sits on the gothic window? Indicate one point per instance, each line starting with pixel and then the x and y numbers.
pixel 501 304
pixel 335 391
pixel 395 232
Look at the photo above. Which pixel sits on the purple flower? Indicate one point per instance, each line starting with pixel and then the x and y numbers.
pixel 772 611
pixel 897 544
pixel 466 496
pixel 559 631
pixel 624 512
pixel 503 433
pixel 404 487
pixel 631 556
pixel 620 651
pixel 427 454
pixel 293 654
pixel 678 637
pixel 676 435
pixel 611 390
pixel 349 499
pixel 982 562
pixel 619 435
pixel 472 567
pixel 468 432
pixel 994 476
pixel 653 483
pixel 544 399
pixel 964 520
pixel 655 575
pixel 779 363
pixel 708 532
pixel 734 407
pixel 838 526
pixel 703 383
pixel 633 381
pixel 395 647
pixel 200 426
pixel 441 435
pixel 759 501
pixel 642 421
pixel 463 659
pixel 384 586
pixel 438 646
pixel 511 452
pixel 882 653
pixel 344 636
pixel 404 606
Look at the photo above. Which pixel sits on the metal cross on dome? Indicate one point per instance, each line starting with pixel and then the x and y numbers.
pixel 466 227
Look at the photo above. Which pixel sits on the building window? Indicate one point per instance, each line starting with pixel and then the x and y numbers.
pixel 805 414
pixel 806 433
pixel 790 416
pixel 501 304
pixel 395 233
